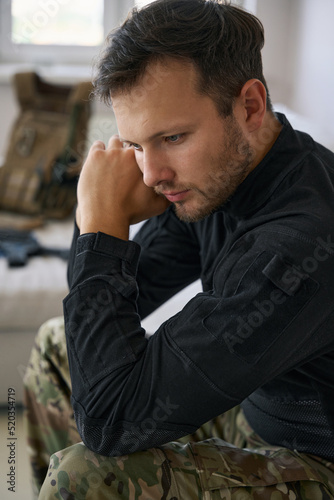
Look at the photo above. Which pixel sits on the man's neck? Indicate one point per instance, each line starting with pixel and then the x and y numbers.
pixel 265 137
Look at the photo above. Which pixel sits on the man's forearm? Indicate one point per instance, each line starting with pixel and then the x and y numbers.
pixel 116 383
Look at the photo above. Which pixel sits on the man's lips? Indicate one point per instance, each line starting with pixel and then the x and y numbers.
pixel 176 195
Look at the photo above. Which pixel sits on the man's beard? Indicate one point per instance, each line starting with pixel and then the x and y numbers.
pixel 228 168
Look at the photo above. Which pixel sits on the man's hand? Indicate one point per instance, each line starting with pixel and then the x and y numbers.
pixel 111 191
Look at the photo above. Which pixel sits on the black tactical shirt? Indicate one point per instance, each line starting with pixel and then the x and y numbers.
pixel 261 334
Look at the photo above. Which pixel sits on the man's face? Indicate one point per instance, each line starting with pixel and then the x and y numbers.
pixel 185 150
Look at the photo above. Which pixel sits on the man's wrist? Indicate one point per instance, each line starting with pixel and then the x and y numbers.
pixel 115 229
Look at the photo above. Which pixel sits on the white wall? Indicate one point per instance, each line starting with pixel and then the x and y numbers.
pixel 276 17
pixel 298 59
pixel 313 70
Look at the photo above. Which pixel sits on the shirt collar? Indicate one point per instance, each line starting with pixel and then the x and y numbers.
pixel 287 152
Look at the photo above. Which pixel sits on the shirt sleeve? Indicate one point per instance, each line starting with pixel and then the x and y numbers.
pixel 169 260
pixel 131 393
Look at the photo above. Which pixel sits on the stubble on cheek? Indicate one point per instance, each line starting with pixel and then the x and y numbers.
pixel 222 182
pixel 226 170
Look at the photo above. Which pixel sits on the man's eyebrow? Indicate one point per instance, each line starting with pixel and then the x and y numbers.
pixel 125 140
pixel 150 138
pixel 165 132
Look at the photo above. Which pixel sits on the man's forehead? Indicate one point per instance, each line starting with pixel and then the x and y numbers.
pixel 158 75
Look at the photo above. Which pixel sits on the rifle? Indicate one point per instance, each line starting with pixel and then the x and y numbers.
pixel 17 246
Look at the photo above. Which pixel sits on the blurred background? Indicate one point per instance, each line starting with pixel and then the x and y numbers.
pixel 58 39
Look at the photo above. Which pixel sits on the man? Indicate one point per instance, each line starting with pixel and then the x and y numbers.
pixel 236 197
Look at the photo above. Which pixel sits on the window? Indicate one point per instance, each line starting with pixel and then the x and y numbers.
pixel 56 31
pixel 73 23
pixel 62 31
pixel 249 5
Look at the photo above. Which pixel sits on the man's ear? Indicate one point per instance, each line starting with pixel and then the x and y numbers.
pixel 253 98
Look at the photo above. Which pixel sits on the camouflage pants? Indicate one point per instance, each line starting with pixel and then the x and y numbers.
pixel 225 459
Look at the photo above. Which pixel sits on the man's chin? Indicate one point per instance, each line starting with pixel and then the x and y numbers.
pixel 188 214
pixel 188 211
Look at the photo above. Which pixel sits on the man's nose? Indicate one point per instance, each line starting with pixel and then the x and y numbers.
pixel 156 169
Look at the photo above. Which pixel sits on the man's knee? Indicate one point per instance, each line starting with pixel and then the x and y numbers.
pixel 49 344
pixel 50 334
pixel 72 474
pixel 78 473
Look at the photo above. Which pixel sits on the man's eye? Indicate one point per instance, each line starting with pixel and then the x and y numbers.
pixel 173 138
pixel 135 146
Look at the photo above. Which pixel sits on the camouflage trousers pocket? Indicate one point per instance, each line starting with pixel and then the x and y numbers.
pixel 230 473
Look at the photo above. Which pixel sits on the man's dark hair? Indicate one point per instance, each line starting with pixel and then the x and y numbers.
pixel 222 41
